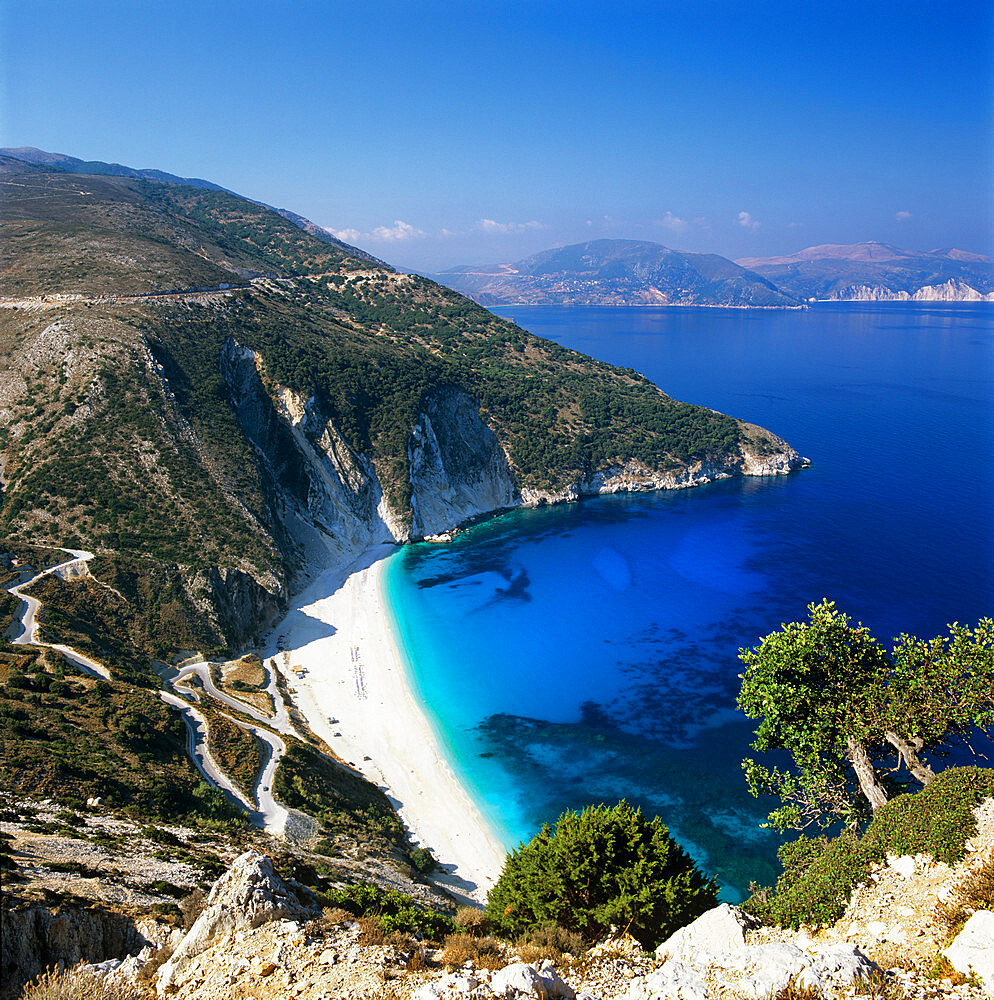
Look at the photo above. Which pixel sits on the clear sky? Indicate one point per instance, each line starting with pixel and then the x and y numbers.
pixel 438 133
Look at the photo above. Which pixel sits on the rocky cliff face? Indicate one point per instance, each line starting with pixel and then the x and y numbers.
pixel 949 291
pixel 458 468
pixel 36 938
pixel 327 499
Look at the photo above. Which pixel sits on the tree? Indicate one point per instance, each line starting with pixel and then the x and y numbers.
pixel 600 867
pixel 830 696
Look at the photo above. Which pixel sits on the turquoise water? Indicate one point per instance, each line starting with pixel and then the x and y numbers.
pixel 587 652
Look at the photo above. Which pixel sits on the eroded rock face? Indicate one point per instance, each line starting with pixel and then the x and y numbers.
pixel 249 894
pixel 35 938
pixel 720 930
pixel 458 468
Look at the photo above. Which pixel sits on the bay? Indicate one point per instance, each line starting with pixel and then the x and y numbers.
pixel 588 652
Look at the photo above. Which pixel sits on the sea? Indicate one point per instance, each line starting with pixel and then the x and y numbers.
pixel 588 652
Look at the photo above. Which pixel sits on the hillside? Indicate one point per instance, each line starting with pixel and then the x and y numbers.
pixel 616 273
pixel 206 395
pixel 878 272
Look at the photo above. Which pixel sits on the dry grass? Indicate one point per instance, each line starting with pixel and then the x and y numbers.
pixel 372 933
pixel 484 953
pixel 472 921
pixel 974 892
pixel 876 984
pixel 552 942
pixel 75 984
pixel 147 973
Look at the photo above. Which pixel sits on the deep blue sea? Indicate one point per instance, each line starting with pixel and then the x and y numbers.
pixel 587 652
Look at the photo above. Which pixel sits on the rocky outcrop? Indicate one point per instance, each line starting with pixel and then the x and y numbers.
pixel 458 468
pixel 949 291
pixel 35 938
pixel 248 895
pixel 972 951
pixel 715 947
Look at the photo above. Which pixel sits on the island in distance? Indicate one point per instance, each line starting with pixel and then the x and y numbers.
pixel 641 273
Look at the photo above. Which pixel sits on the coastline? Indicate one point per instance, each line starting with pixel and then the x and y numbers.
pixel 340 654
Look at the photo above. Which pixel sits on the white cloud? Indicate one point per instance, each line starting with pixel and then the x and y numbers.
pixel 400 230
pixel 490 226
pixel 746 221
pixel 903 216
pixel 673 223
pixel 794 225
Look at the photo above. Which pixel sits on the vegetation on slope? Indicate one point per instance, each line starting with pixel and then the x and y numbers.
pixel 119 431
pixel 820 873
pixel 73 738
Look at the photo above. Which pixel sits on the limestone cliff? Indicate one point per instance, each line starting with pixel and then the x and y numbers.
pixel 328 498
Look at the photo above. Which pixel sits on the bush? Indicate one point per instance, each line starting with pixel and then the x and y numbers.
pixel 484 953
pixel 819 875
pixel 473 921
pixel 422 860
pixel 392 910
pixel 600 867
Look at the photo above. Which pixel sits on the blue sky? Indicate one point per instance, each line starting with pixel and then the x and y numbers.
pixel 439 133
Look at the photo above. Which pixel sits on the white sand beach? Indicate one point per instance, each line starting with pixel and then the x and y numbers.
pixel 339 653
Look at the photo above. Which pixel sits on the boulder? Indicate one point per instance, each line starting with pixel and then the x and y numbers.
pixel 720 930
pixel 674 981
pixel 835 966
pixel 765 968
pixel 527 979
pixel 972 949
pixel 249 894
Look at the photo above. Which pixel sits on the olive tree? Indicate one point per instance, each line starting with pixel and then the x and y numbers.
pixel 843 708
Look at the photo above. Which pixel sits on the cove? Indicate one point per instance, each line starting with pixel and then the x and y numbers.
pixel 588 652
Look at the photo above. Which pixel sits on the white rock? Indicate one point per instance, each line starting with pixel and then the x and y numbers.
pixel 718 931
pixel 973 949
pixel 674 981
pixel 904 864
pixel 876 928
pixel 249 894
pixel 766 968
pixel 532 980
pixel 450 985
pixel 839 964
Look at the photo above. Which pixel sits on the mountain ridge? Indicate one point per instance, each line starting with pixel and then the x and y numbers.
pixel 873 271
pixel 617 272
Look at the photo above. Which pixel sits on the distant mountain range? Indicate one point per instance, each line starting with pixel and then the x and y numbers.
pixel 617 273
pixel 634 273
pixel 878 272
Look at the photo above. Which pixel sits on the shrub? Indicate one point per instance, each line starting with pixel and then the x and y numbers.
pixel 472 921
pixel 393 911
pixel 422 860
pixel 600 867
pixel 484 953
pixel 820 874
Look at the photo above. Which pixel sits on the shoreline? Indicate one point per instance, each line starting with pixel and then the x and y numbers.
pixel 355 692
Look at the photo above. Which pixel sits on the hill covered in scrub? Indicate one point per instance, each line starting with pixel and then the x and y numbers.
pixel 617 273
pixel 207 395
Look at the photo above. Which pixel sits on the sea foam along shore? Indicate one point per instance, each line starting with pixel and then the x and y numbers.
pixel 339 652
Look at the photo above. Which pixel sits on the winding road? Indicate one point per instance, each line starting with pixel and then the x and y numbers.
pixel 268 813
pixel 28 635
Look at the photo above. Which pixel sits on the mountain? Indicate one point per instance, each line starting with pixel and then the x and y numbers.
pixel 216 401
pixel 617 273
pixel 878 272
pixel 74 165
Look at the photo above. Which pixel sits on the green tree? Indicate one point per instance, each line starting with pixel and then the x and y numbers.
pixel 600 867
pixel 829 695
